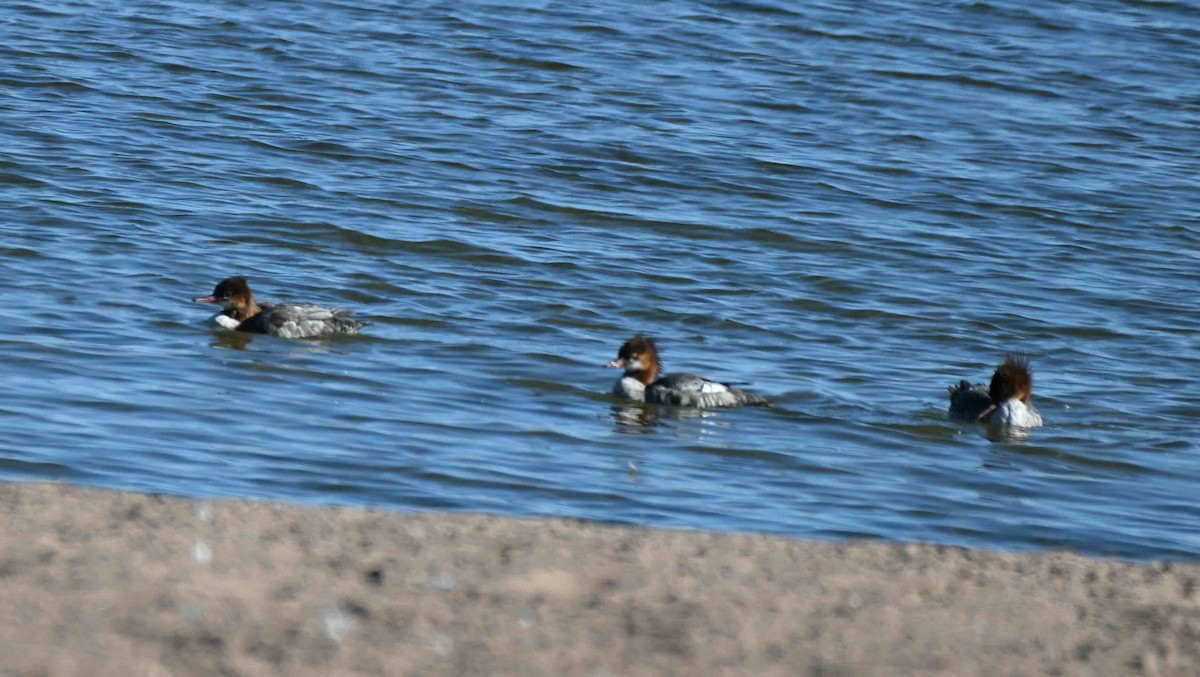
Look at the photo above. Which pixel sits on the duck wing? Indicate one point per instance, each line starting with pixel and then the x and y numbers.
pixel 690 390
pixel 301 320
pixel 968 401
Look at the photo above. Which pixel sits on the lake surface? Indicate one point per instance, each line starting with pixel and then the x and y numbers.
pixel 842 206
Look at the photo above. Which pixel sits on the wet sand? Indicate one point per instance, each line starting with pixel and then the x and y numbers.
pixel 96 582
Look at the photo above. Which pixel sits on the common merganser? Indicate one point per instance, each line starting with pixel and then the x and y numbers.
pixel 1005 401
pixel 288 320
pixel 639 358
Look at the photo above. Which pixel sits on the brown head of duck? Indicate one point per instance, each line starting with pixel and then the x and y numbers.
pixel 639 358
pixel 1012 379
pixel 234 295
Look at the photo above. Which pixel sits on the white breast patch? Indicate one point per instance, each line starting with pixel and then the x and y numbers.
pixel 225 321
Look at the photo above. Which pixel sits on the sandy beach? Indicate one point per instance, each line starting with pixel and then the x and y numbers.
pixel 97 582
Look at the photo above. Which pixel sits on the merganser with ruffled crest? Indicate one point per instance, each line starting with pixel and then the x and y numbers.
pixel 287 320
pixel 1005 401
pixel 639 358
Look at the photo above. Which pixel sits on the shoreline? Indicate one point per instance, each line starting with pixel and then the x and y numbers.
pixel 104 582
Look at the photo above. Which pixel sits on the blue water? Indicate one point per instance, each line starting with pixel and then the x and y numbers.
pixel 843 206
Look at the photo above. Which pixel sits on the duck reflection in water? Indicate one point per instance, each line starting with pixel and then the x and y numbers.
pixel 641 418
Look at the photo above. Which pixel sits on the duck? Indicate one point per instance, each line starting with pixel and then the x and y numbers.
pixel 1005 401
pixel 641 381
pixel 241 312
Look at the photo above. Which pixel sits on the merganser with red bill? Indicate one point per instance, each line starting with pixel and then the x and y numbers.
pixel 641 382
pixel 287 320
pixel 1005 401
